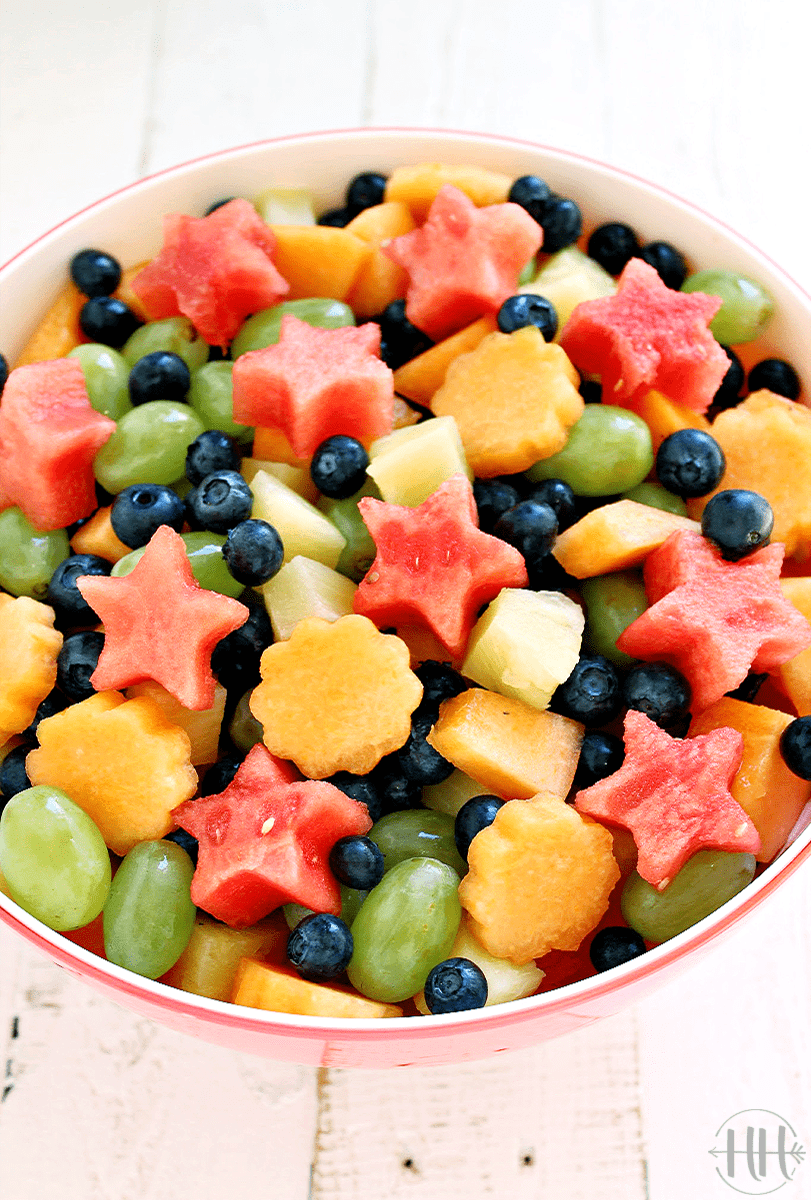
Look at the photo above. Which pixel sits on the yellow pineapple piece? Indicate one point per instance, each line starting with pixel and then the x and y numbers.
pixel 505 980
pixel 409 464
pixel 305 588
pixel 298 479
pixel 208 965
pixel 258 985
pixel 568 278
pixel 539 879
pixel 203 727
pixel 29 647
pixel 449 795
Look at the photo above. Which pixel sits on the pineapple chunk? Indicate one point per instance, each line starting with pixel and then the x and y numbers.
pixel 449 796
pixel 525 644
pixel 203 727
pixel 286 206
pixel 505 980
pixel 567 279
pixel 409 464
pixel 305 588
pixel 297 478
pixel 302 528
pixel 208 965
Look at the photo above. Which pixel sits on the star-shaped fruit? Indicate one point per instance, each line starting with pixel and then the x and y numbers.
pixel 266 840
pixel 49 436
pixel 648 336
pixel 434 566
pixel 315 383
pixel 464 261
pixel 673 794
pixel 715 620
pixel 215 270
pixel 160 624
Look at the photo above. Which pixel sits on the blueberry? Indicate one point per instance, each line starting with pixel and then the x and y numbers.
pixel 109 321
pixel 186 842
pixel 211 451
pixel 474 816
pixel 532 194
pixel 77 661
pixel 613 946
pixel 560 498
pixel 562 224
pixel 235 658
pixel 795 746
pixel 612 245
pixel 527 309
pixel 419 761
pixel 320 947
pixel 729 390
pixel 219 775
pixel 366 190
pixel 161 375
pixel 601 755
pixel 53 703
pixel 357 862
pixel 402 341
pixel 777 375
pixel 359 787
pixel 738 522
pixel 397 792
pixel 455 985
pixel 667 262
pixel 64 597
pixel 218 204
pixel 338 467
pixel 219 502
pixel 750 687
pixel 253 552
pixel 140 510
pixel 493 498
pixel 338 218
pixel 439 682
pixel 13 777
pixel 659 691
pixel 530 527
pixel 591 694
pixel 3 372
pixel 95 273
pixel 690 463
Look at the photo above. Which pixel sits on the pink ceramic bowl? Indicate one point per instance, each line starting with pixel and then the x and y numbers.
pixel 128 225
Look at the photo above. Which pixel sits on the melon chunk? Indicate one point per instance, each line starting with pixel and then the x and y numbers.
pixel 420 377
pixel 303 529
pixel 418 185
pixel 568 278
pixel 305 588
pixel 258 985
pixel 317 260
pixel 795 675
pixel 615 537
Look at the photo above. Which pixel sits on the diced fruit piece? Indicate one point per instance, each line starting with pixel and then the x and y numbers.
pixel 410 464
pixel 97 536
pixel 298 479
pixel 615 537
pixel 203 727
pixel 58 331
pixel 336 697
pixel 208 965
pixel 275 989
pixel 765 788
pixel 264 842
pixel 795 675
pixel 418 185
pixel 509 747
pixel 434 565
pixel 540 878
pixel 505 980
pixel 29 646
pixel 514 399
pixel 272 444
pixel 317 260
pixel 49 435
pixel 568 278
pixel 315 383
pixel 285 206
pixel 126 746
pixel 714 620
pixel 449 795
pixel 380 280
pixel 525 644
pixel 306 588
pixel 303 529
pixel 463 262
pixel 664 416
pixel 648 336
pixel 160 624
pixel 419 378
pixel 673 794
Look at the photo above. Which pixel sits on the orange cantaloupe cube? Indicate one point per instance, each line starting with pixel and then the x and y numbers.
pixel 379 281
pixel 272 445
pixel 764 787
pixel 29 648
pixel 511 748
pixel 208 965
pixel 424 375
pixel 97 536
pixel 318 260
pixel 616 537
pixel 794 676
pixel 58 331
pixel 202 726
pixel 664 416
pixel 259 985
pixel 417 185
pixel 124 291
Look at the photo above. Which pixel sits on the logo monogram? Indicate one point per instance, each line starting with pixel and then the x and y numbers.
pixel 757 1152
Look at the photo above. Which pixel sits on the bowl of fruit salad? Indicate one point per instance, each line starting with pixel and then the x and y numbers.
pixel 404 627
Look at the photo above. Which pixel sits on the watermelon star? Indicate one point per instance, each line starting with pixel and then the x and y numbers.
pixel 464 261
pixel 648 336
pixel 160 624
pixel 434 566
pixel 314 383
pixel 715 620
pixel 265 841
pixel 673 795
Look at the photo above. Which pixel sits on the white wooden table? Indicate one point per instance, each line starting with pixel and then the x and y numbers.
pixel 710 100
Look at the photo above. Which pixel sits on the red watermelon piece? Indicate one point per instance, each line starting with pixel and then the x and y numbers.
pixel 434 566
pixel 265 841
pixel 215 270
pixel 315 383
pixel 464 261
pixel 49 436
pixel 673 794
pixel 648 336
pixel 715 620
pixel 160 624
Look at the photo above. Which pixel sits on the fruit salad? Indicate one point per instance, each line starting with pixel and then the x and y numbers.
pixel 405 608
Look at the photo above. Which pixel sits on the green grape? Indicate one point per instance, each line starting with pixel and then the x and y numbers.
pixel 528 273
pixel 705 882
pixel 204 551
pixel 294 913
pixel 28 556
pixel 351 900
pixel 211 396
pixel 655 496
pixel 609 450
pixel 417 833
pixel 746 310
pixel 263 328
pixel 244 730
pixel 175 334
pixel 106 375
pixel 149 914
pixel 148 445
pixel 359 552
pixel 406 925
pixel 53 858
pixel 612 602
